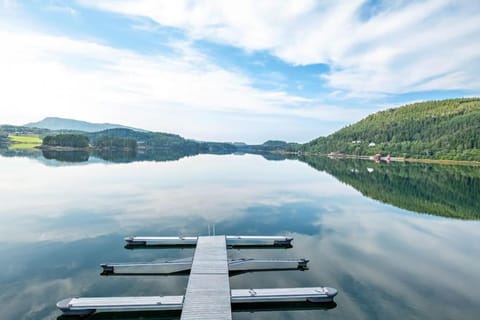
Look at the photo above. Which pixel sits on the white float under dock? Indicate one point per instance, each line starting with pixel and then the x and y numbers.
pixel 183 266
pixel 84 306
pixel 231 241
pixel 81 306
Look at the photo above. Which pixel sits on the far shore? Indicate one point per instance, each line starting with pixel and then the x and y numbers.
pixel 87 149
pixel 398 159
pixel 59 148
pixel 444 161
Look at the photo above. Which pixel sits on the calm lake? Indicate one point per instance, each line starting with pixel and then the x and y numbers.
pixel 399 241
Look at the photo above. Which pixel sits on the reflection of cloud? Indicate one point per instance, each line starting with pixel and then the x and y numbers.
pixel 384 264
pixel 297 217
pixel 74 202
pixel 34 299
pixel 45 273
pixel 400 260
pixel 384 261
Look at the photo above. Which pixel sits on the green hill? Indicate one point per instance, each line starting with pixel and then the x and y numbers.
pixel 446 129
pixel 164 141
pixel 154 140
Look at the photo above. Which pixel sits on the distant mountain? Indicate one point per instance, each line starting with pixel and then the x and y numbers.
pixel 54 123
pixel 275 144
pixel 446 129
pixel 270 146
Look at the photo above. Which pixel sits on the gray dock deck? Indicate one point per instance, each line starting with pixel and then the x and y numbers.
pixel 208 290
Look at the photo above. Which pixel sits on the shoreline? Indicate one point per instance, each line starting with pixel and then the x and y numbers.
pixel 444 161
pixel 86 149
pixel 58 148
pixel 400 159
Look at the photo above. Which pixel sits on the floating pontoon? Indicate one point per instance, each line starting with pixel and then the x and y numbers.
pixel 183 266
pixel 82 306
pixel 231 241
pixel 208 294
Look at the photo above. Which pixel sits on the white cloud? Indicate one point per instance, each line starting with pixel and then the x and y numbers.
pixel 8 4
pixel 52 75
pixel 404 47
pixel 62 8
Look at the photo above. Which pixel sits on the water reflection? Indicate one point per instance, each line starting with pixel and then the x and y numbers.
pixel 67 156
pixel 175 315
pixel 60 223
pixel 448 191
pixel 170 315
pixel 64 157
pixel 441 190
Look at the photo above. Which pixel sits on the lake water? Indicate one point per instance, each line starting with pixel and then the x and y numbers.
pixel 355 221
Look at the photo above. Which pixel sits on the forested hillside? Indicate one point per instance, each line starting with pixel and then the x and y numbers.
pixel 66 140
pixel 154 140
pixel 163 141
pixel 447 129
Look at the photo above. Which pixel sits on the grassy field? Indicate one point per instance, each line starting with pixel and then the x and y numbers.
pixel 24 142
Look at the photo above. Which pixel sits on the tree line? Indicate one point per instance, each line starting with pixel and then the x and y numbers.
pixel 447 129
pixel 106 142
pixel 82 141
pixel 66 140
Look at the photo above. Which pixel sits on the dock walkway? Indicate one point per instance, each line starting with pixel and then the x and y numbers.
pixel 208 290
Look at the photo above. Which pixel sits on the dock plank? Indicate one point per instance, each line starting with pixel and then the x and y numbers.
pixel 208 290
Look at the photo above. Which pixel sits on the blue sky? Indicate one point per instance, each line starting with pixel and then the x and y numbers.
pixel 233 71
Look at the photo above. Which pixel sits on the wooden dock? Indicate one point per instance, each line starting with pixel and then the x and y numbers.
pixel 208 290
pixel 208 294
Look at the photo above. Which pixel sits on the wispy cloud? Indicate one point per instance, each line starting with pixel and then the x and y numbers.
pixel 373 49
pixel 306 70
pixel 8 3
pixel 45 74
pixel 62 8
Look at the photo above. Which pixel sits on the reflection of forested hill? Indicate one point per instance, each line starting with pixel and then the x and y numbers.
pixel 448 191
pixel 28 153
pixel 66 156
pixel 143 155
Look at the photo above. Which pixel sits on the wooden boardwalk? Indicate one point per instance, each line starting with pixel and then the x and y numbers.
pixel 208 290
